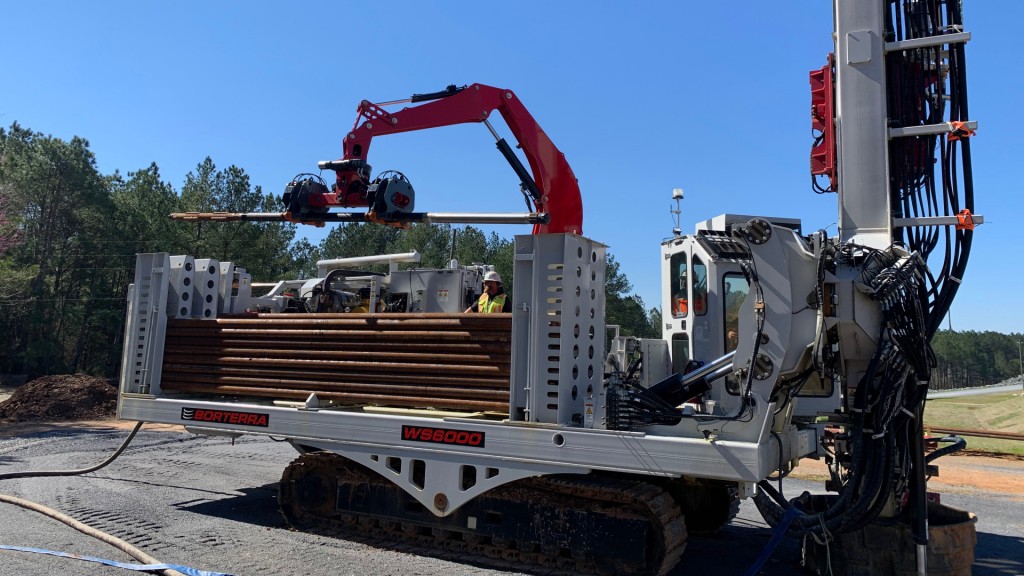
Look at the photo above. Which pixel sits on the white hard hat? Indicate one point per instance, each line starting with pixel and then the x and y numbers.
pixel 492 276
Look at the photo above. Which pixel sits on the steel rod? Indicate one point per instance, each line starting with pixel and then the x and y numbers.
pixel 374 355
pixel 313 379
pixel 359 335
pixel 374 399
pixel 339 345
pixel 496 317
pixel 478 321
pixel 410 217
pixel 975 433
pixel 383 390
pixel 339 365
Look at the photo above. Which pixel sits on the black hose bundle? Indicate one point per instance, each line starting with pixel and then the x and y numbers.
pixel 883 407
pixel 920 93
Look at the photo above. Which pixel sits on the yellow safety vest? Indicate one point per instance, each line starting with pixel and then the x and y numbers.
pixel 486 305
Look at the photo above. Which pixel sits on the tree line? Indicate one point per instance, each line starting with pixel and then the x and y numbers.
pixel 968 359
pixel 69 235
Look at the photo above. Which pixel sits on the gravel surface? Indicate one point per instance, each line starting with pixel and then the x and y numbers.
pixel 210 503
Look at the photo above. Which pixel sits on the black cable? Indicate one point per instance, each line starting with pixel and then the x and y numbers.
pixel 917 96
pixel 958 445
pixel 46 473
pixel 878 401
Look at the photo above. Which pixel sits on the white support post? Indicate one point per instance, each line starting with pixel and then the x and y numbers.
pixel 861 112
pixel 558 326
pixel 142 356
pixel 225 291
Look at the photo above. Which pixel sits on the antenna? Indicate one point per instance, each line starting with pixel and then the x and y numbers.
pixel 677 195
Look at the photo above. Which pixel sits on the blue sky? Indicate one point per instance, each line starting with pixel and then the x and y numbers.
pixel 642 98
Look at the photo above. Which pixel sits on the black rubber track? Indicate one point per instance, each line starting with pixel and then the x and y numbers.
pixel 569 524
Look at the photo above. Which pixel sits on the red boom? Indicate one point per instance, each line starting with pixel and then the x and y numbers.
pixel 559 193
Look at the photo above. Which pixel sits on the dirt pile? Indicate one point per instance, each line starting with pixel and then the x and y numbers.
pixel 61 398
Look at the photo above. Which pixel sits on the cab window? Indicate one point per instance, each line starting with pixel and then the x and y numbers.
pixel 735 289
pixel 699 288
pixel 677 271
pixel 680 352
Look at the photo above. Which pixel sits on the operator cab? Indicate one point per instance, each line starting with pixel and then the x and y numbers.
pixel 704 287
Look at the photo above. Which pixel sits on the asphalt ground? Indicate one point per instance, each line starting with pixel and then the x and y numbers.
pixel 210 503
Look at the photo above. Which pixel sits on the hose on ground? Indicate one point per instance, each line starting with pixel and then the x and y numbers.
pixel 43 473
pixel 88 530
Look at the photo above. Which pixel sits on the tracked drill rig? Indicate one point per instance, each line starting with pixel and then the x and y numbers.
pixel 531 437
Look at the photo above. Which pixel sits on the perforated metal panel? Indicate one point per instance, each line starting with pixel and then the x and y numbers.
pixel 147 321
pixel 558 328
pixel 207 289
pixel 181 276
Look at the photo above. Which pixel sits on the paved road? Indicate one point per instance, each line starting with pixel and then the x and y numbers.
pixel 1016 385
pixel 210 503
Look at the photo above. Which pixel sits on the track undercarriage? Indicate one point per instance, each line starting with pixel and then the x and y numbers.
pixel 580 524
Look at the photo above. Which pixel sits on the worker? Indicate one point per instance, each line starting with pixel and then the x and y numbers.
pixel 680 307
pixel 493 299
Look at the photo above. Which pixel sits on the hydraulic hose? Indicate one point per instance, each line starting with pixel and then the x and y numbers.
pixel 44 473
pixel 841 513
pixel 958 445
pixel 88 530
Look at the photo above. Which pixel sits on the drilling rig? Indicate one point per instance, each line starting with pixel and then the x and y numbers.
pixel 529 436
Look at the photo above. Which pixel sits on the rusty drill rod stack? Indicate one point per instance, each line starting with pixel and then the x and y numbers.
pixel 444 361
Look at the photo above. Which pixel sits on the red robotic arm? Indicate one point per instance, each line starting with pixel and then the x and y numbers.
pixel 553 188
